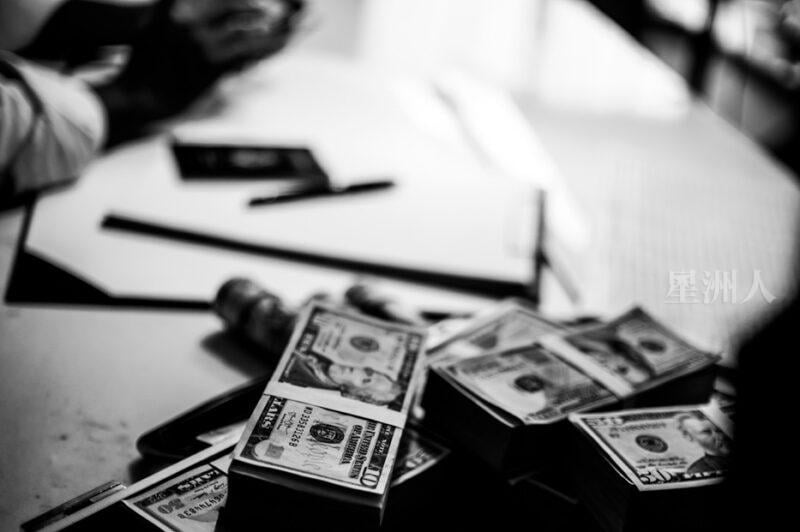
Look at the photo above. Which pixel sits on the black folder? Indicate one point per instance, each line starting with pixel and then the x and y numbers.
pixel 34 280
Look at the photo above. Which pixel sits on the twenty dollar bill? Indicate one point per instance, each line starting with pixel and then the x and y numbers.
pixel 663 448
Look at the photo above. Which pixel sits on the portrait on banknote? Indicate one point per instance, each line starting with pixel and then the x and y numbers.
pixel 715 444
pixel 341 355
pixel 363 383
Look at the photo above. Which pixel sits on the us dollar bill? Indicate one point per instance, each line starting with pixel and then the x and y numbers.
pixel 663 448
pixel 320 444
pixel 350 363
pixel 510 324
pixel 189 502
pixel 629 354
pixel 188 496
pixel 530 383
pixel 416 455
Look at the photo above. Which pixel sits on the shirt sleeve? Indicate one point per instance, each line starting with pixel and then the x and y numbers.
pixel 51 127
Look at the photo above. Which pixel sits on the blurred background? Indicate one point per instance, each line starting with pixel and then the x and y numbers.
pixel 742 57
pixel 739 56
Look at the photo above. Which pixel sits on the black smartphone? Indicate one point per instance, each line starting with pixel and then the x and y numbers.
pixel 195 430
pixel 243 162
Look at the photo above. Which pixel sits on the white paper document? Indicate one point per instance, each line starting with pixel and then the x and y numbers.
pixel 447 214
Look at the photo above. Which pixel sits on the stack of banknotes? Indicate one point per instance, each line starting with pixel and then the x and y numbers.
pixel 653 469
pixel 477 423
pixel 326 432
pixel 191 495
pixel 504 386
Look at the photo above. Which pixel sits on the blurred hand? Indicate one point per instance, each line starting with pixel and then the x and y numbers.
pixel 232 32
pixel 186 46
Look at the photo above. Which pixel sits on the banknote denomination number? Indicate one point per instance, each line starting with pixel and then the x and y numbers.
pixel 371 477
pixel 656 476
pixel 170 506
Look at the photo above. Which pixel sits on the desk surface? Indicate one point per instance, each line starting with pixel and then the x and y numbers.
pixel 667 186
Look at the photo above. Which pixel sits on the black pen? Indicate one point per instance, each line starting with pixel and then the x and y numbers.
pixel 320 192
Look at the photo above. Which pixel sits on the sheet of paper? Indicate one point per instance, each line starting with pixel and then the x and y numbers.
pixel 447 211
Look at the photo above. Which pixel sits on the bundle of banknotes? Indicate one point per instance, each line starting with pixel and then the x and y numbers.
pixel 653 469
pixel 332 443
pixel 191 495
pixel 503 386
pixel 327 430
